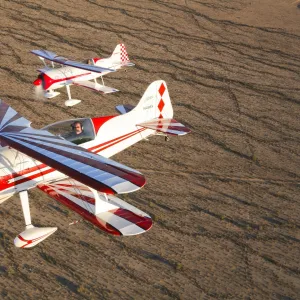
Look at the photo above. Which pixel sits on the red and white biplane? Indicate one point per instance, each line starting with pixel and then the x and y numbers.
pixel 77 73
pixel 74 168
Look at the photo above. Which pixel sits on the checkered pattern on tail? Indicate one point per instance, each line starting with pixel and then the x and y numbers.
pixel 124 55
pixel 120 57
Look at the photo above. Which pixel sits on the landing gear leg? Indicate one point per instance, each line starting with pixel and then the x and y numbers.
pixel 167 138
pixel 68 91
pixel 70 101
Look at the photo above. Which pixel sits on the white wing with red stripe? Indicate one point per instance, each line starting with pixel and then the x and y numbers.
pixel 98 172
pixel 169 126
pixel 115 217
pixel 96 87
pixel 65 61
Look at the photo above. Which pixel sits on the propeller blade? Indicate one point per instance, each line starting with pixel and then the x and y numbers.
pixel 39 92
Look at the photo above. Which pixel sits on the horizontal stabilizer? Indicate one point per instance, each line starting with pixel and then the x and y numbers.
pixel 169 126
pixel 128 64
pixel 98 172
pixel 115 216
pixel 96 87
pixel 123 109
pixel 122 64
pixel 65 61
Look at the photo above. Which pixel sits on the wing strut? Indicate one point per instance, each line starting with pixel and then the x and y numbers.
pixel 95 80
pixel 25 208
pixel 98 201
pixel 43 60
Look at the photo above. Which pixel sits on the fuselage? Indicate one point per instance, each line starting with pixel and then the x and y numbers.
pixel 20 172
pixel 54 78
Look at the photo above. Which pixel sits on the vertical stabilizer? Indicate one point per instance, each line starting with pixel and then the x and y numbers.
pixel 155 102
pixel 120 56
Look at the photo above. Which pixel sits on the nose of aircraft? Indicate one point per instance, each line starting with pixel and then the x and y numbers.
pixel 37 82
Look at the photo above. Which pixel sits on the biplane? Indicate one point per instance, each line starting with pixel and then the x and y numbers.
pixel 71 72
pixel 70 162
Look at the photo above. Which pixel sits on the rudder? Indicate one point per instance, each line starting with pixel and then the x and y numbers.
pixel 155 111
pixel 120 56
pixel 155 102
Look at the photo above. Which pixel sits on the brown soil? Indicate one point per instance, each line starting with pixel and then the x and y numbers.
pixel 224 199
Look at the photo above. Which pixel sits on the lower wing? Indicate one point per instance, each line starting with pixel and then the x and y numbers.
pixel 96 87
pixel 113 215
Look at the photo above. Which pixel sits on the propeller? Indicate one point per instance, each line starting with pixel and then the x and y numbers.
pixel 42 83
pixel 39 92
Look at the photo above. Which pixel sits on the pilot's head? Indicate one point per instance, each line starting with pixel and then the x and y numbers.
pixel 77 127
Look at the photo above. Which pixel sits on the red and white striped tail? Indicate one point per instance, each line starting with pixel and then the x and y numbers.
pixel 120 56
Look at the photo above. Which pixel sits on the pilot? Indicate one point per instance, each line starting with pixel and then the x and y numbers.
pixel 77 129
pixel 76 134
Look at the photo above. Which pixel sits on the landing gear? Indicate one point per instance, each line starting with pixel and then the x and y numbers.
pixel 50 94
pixel 70 101
pixel 31 236
pixel 167 138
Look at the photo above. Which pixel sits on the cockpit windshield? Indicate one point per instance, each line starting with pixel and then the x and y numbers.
pixel 77 131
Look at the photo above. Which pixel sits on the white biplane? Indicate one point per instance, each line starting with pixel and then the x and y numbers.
pixel 77 73
pixel 73 166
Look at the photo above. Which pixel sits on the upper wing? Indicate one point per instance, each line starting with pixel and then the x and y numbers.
pixel 64 61
pixel 114 215
pixel 169 126
pixel 98 172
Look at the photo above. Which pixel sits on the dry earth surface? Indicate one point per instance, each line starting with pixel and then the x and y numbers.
pixel 224 199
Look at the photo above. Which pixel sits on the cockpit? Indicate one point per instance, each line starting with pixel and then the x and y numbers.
pixel 77 131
